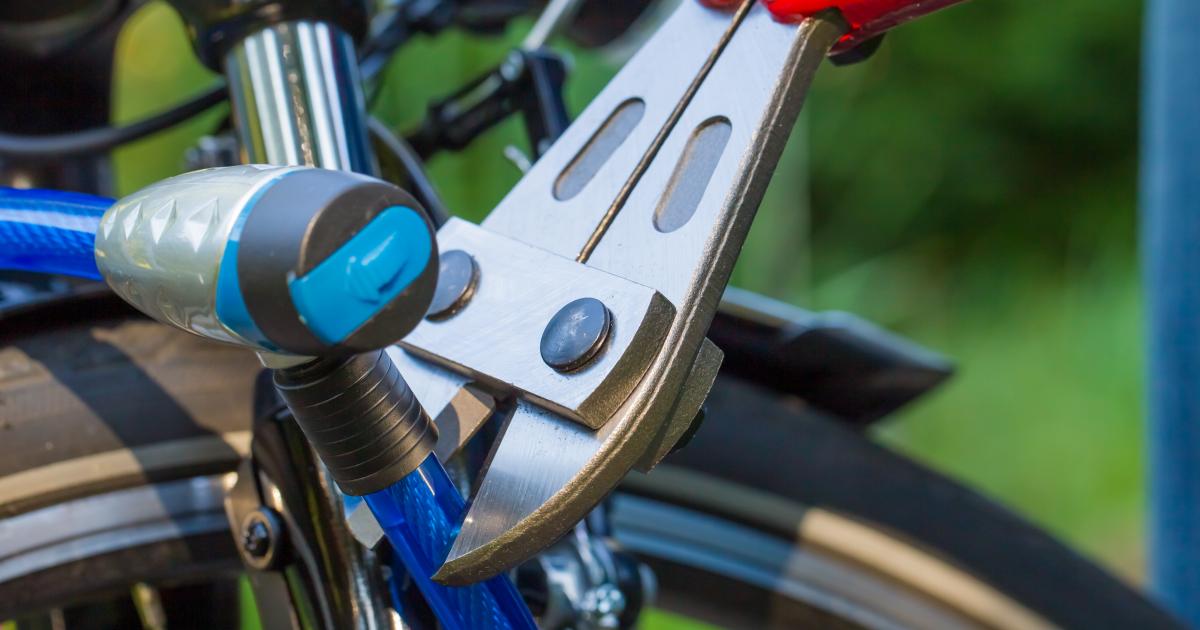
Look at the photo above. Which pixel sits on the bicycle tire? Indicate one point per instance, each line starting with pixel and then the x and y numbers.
pixel 789 525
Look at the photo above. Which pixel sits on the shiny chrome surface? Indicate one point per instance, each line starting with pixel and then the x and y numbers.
pixel 496 337
pixel 160 248
pixel 741 70
pixel 297 98
pixel 576 334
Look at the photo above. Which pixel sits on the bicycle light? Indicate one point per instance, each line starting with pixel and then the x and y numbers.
pixel 289 260
pixel 323 267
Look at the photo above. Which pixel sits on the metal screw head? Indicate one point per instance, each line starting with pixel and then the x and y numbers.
pixel 260 538
pixel 458 273
pixel 256 538
pixel 576 334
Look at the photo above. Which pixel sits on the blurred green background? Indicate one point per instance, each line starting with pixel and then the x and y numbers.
pixel 972 186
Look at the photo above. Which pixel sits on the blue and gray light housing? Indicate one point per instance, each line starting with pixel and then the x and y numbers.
pixel 292 260
pixel 351 286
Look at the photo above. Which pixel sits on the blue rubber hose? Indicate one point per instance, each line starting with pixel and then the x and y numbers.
pixel 50 231
pixel 420 516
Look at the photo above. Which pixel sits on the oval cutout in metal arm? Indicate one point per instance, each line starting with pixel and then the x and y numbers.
pixel 602 146
pixel 692 174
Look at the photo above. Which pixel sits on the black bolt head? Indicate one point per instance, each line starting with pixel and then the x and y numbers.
pixel 256 538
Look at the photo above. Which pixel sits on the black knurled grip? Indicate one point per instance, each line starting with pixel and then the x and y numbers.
pixel 361 417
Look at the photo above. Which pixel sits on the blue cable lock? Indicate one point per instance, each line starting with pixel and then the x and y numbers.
pixel 215 252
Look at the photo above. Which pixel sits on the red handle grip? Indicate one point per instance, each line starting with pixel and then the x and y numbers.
pixel 867 18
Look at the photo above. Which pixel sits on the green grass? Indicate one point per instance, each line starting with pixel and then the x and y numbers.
pixel 1045 413
pixel 656 619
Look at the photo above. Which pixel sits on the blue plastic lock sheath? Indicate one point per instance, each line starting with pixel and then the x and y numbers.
pixel 420 515
pixel 358 280
pixel 50 231
pixel 231 306
pixel 1170 201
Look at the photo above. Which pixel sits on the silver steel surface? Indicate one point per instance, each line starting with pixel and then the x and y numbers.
pixel 434 386
pixel 160 248
pixel 364 526
pixel 496 337
pixel 461 419
pixel 297 98
pixel 742 71
pixel 657 77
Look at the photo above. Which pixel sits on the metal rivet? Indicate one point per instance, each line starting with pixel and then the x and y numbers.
pixel 576 334
pixel 458 274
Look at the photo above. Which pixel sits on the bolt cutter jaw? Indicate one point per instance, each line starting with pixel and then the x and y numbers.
pixel 643 204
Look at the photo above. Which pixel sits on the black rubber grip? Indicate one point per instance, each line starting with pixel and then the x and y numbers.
pixel 361 417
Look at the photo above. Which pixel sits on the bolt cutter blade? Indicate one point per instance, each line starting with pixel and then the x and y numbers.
pixel 656 182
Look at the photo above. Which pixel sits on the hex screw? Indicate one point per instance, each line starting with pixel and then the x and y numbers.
pixel 256 538
pixel 576 334
pixel 260 538
pixel 458 275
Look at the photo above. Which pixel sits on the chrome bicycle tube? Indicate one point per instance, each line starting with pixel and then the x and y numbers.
pixel 297 98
